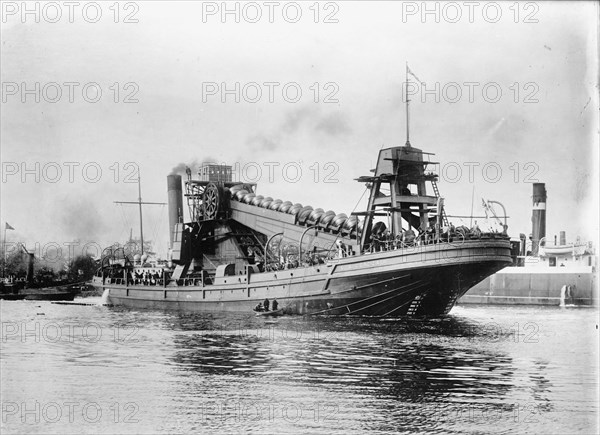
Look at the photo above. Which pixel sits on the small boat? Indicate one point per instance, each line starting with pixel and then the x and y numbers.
pixel 556 250
pixel 11 297
pixel 273 313
pixel 49 295
pixel 39 294
pixel 36 290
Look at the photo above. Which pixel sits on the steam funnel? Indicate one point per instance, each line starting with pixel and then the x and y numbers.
pixel 175 198
pixel 538 218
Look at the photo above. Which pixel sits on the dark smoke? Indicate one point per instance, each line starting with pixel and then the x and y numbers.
pixel 208 160
pixel 194 165
pixel 263 142
pixel 334 124
pixel 81 218
pixel 295 118
pixel 299 119
pixel 180 168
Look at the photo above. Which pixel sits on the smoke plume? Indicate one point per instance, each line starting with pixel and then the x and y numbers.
pixel 194 165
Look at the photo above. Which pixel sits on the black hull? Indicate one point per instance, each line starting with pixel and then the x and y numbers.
pixel 389 284
pixel 12 297
pixel 423 292
pixel 42 296
pixel 38 295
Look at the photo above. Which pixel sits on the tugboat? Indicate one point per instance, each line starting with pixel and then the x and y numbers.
pixel 398 257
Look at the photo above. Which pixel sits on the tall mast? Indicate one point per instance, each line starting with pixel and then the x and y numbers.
pixel 140 205
pixel 139 202
pixel 407 112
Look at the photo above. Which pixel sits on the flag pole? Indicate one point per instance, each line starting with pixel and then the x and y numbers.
pixel 472 199
pixel 407 113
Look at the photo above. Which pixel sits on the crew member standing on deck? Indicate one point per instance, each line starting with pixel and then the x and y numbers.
pixel 451 232
pixel 341 248
pixel 409 237
pixel 429 233
pixel 475 230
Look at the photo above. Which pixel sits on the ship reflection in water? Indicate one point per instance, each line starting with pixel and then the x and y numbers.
pixel 479 370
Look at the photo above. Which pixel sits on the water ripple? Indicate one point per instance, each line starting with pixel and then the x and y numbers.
pixel 479 370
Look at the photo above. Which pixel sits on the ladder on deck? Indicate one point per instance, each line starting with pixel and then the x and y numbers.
pixel 437 195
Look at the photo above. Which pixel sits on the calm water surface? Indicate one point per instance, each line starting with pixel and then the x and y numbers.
pixel 95 369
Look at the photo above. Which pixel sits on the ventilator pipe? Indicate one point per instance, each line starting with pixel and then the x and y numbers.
pixel 302 237
pixel 267 246
pixel 505 226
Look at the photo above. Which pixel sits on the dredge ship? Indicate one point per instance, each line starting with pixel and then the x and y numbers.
pixel 398 257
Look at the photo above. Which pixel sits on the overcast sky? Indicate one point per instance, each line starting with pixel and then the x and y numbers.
pixel 174 63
